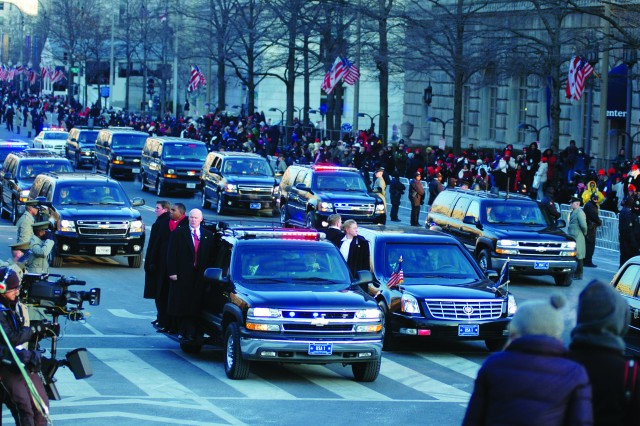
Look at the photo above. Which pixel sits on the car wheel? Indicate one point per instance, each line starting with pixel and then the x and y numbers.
pixel 135 261
pixel 284 216
pixel 484 260
pixel 204 203
pixel 235 367
pixel 495 345
pixel 55 260
pixel 563 280
pixel 160 191
pixel 191 347
pixel 143 186
pixel 366 371
pixel 311 220
pixel 220 210
pixel 14 212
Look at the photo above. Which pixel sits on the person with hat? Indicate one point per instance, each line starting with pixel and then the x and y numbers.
pixel 41 245
pixel 20 253
pixel 396 189
pixel 416 196
pixel 17 396
pixel 577 228
pixel 25 231
pixel 380 186
pixel 597 343
pixel 592 213
pixel 532 382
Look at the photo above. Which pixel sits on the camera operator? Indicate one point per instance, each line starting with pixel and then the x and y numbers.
pixel 41 245
pixel 15 387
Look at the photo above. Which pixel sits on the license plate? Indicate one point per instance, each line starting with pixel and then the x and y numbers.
pixel 135 170
pixel 541 265
pixel 103 250
pixel 468 330
pixel 320 348
pixel 255 206
pixel 191 185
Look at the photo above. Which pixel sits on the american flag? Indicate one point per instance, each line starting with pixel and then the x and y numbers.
pixel 333 76
pixel 33 76
pixel 352 75
pixel 45 72
pixel 196 79
pixel 397 277
pixel 56 75
pixel 579 71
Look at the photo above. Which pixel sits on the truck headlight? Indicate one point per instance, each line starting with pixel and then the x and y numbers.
pixel 409 304
pixel 325 207
pixel 67 226
pixel 264 313
pixel 379 208
pixel 230 188
pixel 568 248
pixel 368 314
pixel 24 195
pixel 512 307
pixel 118 160
pixel 507 247
pixel 136 226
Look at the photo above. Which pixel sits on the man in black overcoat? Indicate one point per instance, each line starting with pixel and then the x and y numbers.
pixel 155 261
pixel 186 269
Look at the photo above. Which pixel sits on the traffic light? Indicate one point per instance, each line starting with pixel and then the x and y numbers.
pixel 150 86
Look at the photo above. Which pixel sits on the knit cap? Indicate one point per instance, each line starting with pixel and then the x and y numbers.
pixel 539 317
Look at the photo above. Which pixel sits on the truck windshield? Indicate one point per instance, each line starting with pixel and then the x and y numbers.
pixel 424 260
pixel 185 152
pixel 29 170
pixel 515 213
pixel 308 263
pixel 336 181
pixel 83 194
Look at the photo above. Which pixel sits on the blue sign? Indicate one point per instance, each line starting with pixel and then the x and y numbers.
pixel 346 127
pixel 105 91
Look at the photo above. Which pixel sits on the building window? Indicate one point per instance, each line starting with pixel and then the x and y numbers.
pixel 493 111
pixel 466 118
pixel 523 94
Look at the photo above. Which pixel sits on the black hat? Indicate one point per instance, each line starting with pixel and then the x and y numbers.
pixel 594 195
pixel 40 226
pixel 380 169
pixel 20 246
pixel 574 198
pixel 9 280
pixel 416 174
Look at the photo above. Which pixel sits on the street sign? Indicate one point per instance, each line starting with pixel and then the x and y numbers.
pixel 105 91
pixel 75 70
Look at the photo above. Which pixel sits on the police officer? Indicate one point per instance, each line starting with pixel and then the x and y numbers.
pixel 20 253
pixel 629 229
pixel 41 245
pixel 396 189
pixel 25 231
pixel 17 396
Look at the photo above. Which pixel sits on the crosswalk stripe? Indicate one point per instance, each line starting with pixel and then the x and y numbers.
pixel 69 387
pixel 453 362
pixel 425 384
pixel 254 388
pixel 150 380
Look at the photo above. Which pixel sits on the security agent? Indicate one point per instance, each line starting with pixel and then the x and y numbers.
pixel 25 231
pixel 14 384
pixel 41 245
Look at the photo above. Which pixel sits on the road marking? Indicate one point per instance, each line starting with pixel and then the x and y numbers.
pixel 123 313
pixel 68 386
pixel 453 362
pixel 425 384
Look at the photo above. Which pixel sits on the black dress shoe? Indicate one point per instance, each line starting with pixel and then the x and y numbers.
pixel 154 323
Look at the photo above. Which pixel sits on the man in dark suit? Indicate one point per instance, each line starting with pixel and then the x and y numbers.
pixel 354 248
pixel 334 231
pixel 155 262
pixel 189 254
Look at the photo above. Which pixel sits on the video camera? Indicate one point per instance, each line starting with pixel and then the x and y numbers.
pixel 55 296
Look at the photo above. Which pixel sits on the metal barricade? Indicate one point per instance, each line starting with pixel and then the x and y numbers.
pixel 607 235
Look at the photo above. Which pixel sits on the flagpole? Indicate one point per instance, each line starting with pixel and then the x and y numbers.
pixel 356 89
pixel 175 61
pixel 604 87
pixel 111 60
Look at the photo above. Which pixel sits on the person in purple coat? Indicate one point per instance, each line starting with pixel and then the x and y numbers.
pixel 532 382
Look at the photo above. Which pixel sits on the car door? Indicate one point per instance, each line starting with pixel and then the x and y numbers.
pixel 469 232
pixel 9 167
pixel 216 180
pixel 456 224
pixel 154 160
pixel 298 198
pixel 627 285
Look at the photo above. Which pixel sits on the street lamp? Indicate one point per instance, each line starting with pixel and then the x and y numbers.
pixel 533 128
pixel 592 58
pixel 630 57
pixel 281 114
pixel 444 124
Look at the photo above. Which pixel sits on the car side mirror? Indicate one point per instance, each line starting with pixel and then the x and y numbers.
pixel 8 176
pixel 155 154
pixel 561 223
pixel 302 187
pixel 214 170
pixel 73 140
pixel 492 275
pixel 137 201
pixel 105 144
pixel 363 277
pixel 469 220
pixel 214 277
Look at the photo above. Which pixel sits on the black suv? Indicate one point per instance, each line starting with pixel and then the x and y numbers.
pixel 309 194
pixel 238 181
pixel 287 296
pixel 444 295
pixel 94 216
pixel 498 227
pixel 118 151
pixel 18 172
pixel 81 145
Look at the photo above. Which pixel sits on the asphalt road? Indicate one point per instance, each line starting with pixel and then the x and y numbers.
pixel 142 378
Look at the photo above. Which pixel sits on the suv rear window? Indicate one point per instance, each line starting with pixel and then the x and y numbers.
pixel 514 212
pixel 426 260
pixel 87 137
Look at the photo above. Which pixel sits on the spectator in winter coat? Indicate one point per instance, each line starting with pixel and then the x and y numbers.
pixel 532 382
pixel 592 188
pixel 540 177
pixel 597 343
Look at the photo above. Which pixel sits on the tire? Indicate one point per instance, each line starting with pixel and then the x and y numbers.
pixel 143 187
pixel 563 280
pixel 160 191
pixel 220 210
pixel 484 260
pixel 191 347
pixel 55 260
pixel 366 371
pixel 235 367
pixel 204 203
pixel 14 212
pixel 495 345
pixel 135 261
pixel 310 223
pixel 284 216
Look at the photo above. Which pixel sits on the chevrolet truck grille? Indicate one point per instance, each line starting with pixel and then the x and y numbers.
pixel 98 228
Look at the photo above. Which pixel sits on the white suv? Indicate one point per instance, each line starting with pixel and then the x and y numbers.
pixel 53 140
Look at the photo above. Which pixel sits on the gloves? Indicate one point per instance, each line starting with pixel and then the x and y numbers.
pixel 31 360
